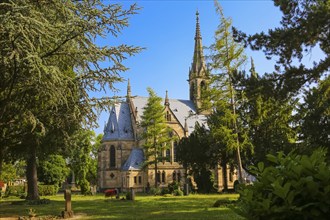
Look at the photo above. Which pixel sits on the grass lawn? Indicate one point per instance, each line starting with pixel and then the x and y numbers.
pixel 144 207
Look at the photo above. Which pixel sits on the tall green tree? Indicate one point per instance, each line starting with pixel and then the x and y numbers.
pixel 304 26
pixel 195 153
pixel 83 158
pixel 157 134
pixel 226 56
pixel 314 114
pixel 49 64
pixel 53 170
pixel 268 119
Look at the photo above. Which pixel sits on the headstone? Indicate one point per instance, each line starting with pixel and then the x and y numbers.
pixel 68 213
pixel 186 189
pixel 132 194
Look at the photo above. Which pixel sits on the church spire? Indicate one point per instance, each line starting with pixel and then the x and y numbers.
pixel 167 102
pixel 198 59
pixel 129 93
pixel 198 77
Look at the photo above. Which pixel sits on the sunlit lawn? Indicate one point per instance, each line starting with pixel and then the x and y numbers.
pixel 144 207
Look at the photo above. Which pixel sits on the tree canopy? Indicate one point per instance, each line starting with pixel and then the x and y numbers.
pixel 305 26
pixel 50 63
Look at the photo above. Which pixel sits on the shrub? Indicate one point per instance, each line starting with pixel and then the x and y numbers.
pixel 165 191
pixel 173 186
pixel 128 196
pixel 15 191
pixel 47 190
pixel 292 187
pixel 155 191
pixel 223 202
pixel 178 192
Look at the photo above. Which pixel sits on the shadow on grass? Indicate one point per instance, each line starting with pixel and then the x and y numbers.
pixel 144 207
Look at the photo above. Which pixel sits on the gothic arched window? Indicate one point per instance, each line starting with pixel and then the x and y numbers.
pixel 112 156
pixel 168 155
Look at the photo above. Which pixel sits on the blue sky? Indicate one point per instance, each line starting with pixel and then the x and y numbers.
pixel 167 29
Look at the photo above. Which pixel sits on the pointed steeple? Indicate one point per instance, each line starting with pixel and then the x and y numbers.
pixel 198 76
pixel 198 59
pixel 167 102
pixel 129 94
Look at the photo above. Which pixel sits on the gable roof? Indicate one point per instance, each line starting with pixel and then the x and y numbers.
pixel 119 125
pixel 182 109
pixel 135 160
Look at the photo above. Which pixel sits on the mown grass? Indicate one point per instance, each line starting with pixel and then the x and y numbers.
pixel 144 207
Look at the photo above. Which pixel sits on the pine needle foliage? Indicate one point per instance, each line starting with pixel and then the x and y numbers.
pixel 156 134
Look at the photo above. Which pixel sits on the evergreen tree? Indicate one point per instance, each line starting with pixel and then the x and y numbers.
pixel 305 25
pixel 195 153
pixel 156 134
pixel 226 57
pixel 315 117
pixel 267 119
pixel 49 64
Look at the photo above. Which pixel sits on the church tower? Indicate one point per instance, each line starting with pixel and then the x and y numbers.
pixel 198 76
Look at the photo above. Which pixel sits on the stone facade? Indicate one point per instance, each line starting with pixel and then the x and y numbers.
pixel 121 154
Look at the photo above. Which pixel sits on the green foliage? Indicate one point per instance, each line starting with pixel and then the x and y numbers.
pixel 53 170
pixel 15 191
pixel 82 158
pixel 50 67
pixel 195 153
pixel 156 134
pixel 155 191
pixel 84 187
pixel 173 186
pixel 304 25
pixel 178 192
pixel 315 116
pixel 226 57
pixel 294 186
pixel 47 190
pixel 267 119
pixel 165 191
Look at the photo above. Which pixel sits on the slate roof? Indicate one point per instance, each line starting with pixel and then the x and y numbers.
pixel 182 109
pixel 119 125
pixel 135 160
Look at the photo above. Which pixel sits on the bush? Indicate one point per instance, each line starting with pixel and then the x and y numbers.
pixel 15 191
pixel 223 203
pixel 155 191
pixel 178 192
pixel 173 186
pixel 128 196
pixel 294 186
pixel 47 190
pixel 165 191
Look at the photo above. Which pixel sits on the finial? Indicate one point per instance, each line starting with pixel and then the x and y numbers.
pixel 128 88
pixel 198 31
pixel 167 102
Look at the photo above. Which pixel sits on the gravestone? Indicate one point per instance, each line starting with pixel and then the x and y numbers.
pixel 68 213
pixel 132 194
pixel 186 189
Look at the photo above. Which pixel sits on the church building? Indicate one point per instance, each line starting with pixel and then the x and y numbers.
pixel 121 154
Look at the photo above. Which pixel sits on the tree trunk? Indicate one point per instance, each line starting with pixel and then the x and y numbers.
pixel 224 175
pixel 31 175
pixel 156 174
